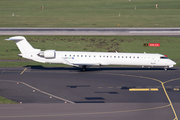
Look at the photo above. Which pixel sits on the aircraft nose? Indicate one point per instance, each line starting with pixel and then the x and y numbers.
pixel 173 63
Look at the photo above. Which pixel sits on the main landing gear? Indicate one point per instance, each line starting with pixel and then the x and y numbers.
pixel 84 68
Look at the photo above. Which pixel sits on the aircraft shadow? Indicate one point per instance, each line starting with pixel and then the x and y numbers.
pixel 95 68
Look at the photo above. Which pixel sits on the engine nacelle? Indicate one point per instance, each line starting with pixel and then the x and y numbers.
pixel 48 54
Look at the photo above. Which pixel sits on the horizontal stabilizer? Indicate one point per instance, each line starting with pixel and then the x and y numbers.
pixel 16 38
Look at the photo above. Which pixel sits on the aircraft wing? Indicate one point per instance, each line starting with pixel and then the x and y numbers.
pixel 77 63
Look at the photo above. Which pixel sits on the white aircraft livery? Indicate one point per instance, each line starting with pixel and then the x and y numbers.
pixel 84 59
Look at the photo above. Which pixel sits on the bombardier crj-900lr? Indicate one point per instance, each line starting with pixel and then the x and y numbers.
pixel 84 59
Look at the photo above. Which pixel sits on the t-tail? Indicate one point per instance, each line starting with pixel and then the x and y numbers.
pixel 25 48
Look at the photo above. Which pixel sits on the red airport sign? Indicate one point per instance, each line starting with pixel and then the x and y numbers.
pixel 154 44
pixel 151 44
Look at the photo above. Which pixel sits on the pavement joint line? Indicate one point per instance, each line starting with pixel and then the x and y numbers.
pixel 158 86
pixel 100 87
pixel 168 87
pixel 47 71
pixel 92 113
pixel 10 71
pixel 23 71
pixel 39 90
pixel 109 87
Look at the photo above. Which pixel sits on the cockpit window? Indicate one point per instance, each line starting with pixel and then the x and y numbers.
pixel 163 57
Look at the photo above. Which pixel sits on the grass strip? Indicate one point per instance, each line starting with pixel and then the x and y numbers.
pixel 89 13
pixel 6 101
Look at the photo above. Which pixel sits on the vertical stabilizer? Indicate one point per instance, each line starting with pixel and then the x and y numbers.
pixel 22 44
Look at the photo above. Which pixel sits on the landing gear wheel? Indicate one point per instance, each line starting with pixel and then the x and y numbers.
pixel 165 69
pixel 83 68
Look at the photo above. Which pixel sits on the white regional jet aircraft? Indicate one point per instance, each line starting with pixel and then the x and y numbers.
pixel 84 59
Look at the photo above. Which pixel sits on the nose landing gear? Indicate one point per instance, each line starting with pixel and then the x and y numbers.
pixel 165 68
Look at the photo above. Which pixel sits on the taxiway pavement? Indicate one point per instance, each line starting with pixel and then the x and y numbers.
pixel 99 93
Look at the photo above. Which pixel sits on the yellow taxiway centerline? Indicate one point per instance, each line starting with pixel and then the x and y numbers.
pixel 143 89
pixel 176 89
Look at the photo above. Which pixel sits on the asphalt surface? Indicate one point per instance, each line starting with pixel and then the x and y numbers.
pixel 91 31
pixel 99 93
